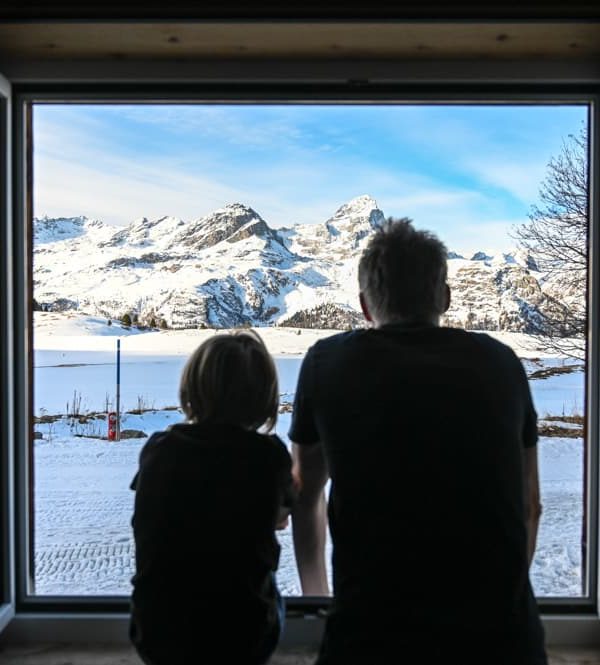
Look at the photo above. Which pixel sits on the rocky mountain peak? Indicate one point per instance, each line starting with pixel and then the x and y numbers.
pixel 53 229
pixel 143 232
pixel 237 210
pixel 233 222
pixel 360 209
pixel 525 258
pixel 481 256
pixel 354 220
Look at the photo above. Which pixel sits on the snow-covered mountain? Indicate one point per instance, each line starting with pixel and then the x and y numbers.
pixel 230 268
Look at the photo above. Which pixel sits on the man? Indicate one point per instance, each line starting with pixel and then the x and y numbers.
pixel 429 437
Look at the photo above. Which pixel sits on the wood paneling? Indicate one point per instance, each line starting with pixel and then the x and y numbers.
pixel 289 40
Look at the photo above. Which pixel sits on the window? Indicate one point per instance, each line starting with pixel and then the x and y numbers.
pixel 88 273
pixel 7 587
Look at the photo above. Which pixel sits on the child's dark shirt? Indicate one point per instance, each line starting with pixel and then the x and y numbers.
pixel 206 506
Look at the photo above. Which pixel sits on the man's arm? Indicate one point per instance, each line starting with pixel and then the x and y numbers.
pixel 309 518
pixel 533 506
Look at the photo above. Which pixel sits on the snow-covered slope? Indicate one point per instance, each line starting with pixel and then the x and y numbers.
pixel 230 268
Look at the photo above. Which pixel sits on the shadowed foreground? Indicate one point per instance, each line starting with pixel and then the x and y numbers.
pixel 98 654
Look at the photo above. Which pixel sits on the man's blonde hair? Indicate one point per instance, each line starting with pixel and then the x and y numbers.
pixel 231 379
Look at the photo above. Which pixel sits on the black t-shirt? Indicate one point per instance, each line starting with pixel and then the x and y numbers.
pixel 423 431
pixel 206 506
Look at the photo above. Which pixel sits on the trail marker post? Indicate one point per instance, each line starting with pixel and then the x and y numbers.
pixel 118 405
pixel 112 426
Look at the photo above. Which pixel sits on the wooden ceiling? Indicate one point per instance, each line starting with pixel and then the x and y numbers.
pixel 188 40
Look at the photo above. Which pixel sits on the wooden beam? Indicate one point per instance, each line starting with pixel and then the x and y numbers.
pixel 339 40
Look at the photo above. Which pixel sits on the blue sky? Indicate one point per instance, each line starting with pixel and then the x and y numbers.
pixel 468 173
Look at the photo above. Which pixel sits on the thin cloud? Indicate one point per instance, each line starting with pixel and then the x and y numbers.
pixel 116 197
pixel 520 179
pixel 444 167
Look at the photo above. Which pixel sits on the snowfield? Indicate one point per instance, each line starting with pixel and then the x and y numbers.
pixel 83 505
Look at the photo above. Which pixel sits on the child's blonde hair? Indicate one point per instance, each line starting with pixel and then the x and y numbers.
pixel 231 379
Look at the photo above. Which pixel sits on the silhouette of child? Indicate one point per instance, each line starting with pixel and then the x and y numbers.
pixel 210 494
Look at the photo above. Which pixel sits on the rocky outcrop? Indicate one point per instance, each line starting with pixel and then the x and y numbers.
pixel 233 223
pixel 327 315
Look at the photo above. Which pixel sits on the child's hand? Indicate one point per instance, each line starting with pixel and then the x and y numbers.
pixel 283 524
pixel 283 519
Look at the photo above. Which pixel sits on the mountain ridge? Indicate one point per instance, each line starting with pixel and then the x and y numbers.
pixel 230 268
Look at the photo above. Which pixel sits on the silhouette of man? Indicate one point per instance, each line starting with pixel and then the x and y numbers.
pixel 428 435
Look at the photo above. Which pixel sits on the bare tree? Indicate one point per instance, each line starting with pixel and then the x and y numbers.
pixel 557 238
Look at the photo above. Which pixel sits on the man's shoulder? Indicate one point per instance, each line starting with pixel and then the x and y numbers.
pixel 478 346
pixel 351 338
pixel 341 340
pixel 491 345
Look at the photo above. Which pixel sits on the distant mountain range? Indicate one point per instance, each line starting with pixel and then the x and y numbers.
pixel 230 268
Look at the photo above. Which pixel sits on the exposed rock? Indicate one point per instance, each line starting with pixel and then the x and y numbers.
pixel 63 305
pixel 155 257
pixel 122 262
pixel 133 434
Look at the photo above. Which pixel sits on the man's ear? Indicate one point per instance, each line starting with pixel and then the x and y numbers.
pixel 447 299
pixel 364 307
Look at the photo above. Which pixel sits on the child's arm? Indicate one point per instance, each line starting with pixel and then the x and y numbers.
pixel 289 495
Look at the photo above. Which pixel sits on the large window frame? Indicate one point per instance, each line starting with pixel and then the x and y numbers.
pixel 582 610
pixel 7 495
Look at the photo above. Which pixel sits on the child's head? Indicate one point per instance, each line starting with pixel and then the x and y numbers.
pixel 231 379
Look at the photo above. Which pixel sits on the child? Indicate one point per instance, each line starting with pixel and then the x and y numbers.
pixel 209 495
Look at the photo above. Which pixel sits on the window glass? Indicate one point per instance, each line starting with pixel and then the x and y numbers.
pixel 156 226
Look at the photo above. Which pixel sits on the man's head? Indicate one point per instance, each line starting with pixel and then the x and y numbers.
pixel 402 275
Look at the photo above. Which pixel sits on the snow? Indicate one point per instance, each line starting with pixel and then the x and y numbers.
pixel 65 331
pixel 557 569
pixel 83 505
pixel 559 395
